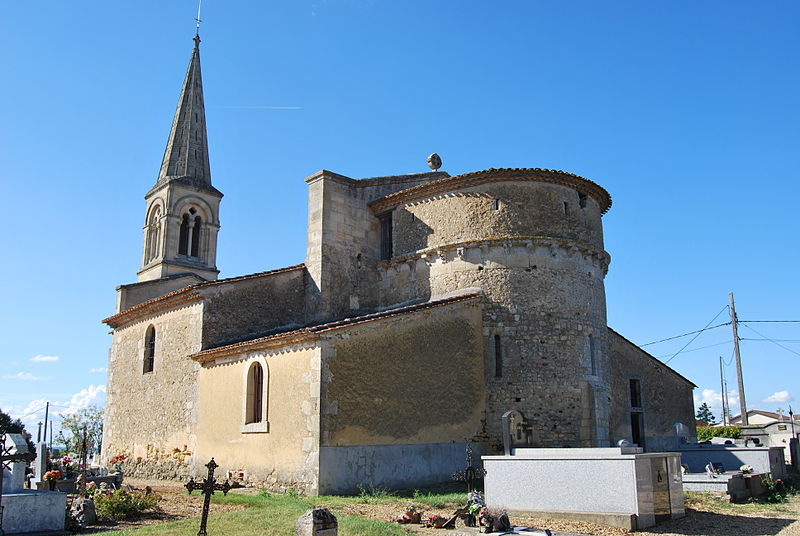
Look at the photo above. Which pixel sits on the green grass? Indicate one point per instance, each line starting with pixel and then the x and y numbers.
pixel 276 514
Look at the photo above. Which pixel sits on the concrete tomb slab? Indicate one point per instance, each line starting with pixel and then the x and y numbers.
pixel 613 486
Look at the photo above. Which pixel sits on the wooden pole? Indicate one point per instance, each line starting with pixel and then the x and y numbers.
pixel 724 387
pixel 742 402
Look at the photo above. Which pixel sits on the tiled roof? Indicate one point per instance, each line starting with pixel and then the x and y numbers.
pixel 292 335
pixel 476 178
pixel 185 295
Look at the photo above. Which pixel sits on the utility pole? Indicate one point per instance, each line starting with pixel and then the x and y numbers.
pixel 742 402
pixel 724 387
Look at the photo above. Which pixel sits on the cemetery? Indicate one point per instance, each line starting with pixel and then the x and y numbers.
pixel 526 490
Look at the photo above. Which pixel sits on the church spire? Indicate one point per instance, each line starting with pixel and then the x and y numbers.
pixel 182 217
pixel 186 155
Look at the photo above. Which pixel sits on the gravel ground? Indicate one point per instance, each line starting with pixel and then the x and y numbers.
pixel 703 517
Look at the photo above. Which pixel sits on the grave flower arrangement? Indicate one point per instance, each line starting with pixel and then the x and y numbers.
pixel 68 466
pixel 117 461
pixel 475 504
pixel 52 476
pixel 746 469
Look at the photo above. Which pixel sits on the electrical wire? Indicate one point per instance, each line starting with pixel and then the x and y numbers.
pixel 686 334
pixel 697 349
pixel 697 335
pixel 771 321
pixel 772 341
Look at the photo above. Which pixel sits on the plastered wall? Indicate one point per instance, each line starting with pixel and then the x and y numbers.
pixel 285 454
pixel 416 378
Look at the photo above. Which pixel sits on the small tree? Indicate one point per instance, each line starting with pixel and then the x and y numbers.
pixel 72 426
pixel 704 414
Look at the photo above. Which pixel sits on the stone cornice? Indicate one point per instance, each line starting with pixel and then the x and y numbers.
pixel 469 180
pixel 587 250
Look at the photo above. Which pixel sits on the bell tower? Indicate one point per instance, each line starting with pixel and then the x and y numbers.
pixel 182 214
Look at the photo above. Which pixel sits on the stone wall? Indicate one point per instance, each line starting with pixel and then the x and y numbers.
pixel 541 269
pixel 282 452
pixel 666 395
pixel 247 308
pixel 413 378
pixel 501 209
pixel 344 240
pixel 151 417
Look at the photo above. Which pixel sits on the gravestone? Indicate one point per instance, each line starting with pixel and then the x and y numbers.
pixel 681 432
pixel 517 432
pixel 40 464
pixel 23 510
pixel 317 522
pixel 14 468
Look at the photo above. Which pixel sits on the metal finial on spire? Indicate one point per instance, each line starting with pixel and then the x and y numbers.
pixel 198 20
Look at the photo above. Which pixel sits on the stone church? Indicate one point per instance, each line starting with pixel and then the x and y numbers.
pixel 427 306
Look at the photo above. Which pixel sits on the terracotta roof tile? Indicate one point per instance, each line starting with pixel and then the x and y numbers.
pixel 475 178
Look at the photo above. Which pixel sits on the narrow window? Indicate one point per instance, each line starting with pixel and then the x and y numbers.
pixel 255 394
pixel 498 357
pixel 149 349
pixel 196 237
pixel 183 238
pixel 566 208
pixel 496 204
pixel 637 427
pixel 592 356
pixel 386 235
pixel 636 393
pixel 582 200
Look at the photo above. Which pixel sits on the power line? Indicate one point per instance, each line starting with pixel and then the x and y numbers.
pixel 771 321
pixel 686 334
pixel 772 341
pixel 697 335
pixel 698 349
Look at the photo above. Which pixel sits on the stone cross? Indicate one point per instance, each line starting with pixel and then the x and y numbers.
pixel 14 456
pixel 469 474
pixel 517 431
pixel 207 487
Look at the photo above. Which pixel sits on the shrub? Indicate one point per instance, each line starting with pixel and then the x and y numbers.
pixel 705 433
pixel 122 504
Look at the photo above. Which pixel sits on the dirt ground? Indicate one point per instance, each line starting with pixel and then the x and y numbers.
pixel 702 517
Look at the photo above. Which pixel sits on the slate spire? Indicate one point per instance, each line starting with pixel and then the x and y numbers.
pixel 186 155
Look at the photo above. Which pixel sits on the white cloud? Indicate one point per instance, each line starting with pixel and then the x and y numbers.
pixel 99 369
pixel 24 376
pixel 779 397
pixel 34 412
pixel 714 400
pixel 42 358
pixel 84 398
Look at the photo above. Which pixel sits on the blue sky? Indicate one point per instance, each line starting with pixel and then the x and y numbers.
pixel 686 112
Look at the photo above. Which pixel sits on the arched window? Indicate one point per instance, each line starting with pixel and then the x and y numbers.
pixel 196 236
pixel 189 237
pixel 255 394
pixel 183 238
pixel 149 349
pixel 153 234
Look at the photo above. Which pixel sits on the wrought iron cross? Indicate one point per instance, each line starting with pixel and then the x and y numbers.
pixel 470 474
pixel 207 487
